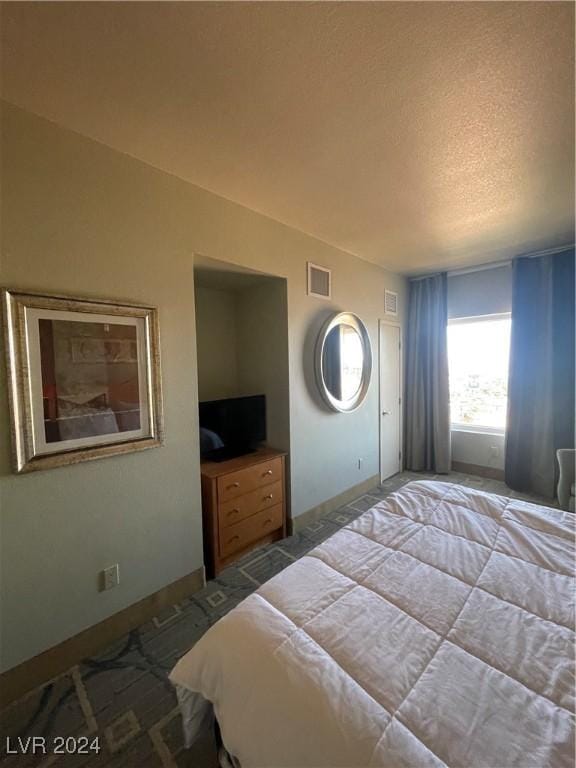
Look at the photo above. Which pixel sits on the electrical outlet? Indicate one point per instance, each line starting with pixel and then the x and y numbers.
pixel 494 451
pixel 110 577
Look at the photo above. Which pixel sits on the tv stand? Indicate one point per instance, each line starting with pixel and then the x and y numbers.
pixel 243 505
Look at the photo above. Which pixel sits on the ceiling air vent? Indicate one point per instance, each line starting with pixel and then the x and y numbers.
pixel 391 303
pixel 319 281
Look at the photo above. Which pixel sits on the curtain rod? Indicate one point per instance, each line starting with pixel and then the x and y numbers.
pixel 479 267
pixel 496 264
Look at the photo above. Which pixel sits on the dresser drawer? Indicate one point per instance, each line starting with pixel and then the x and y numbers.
pixel 237 483
pixel 238 536
pixel 235 510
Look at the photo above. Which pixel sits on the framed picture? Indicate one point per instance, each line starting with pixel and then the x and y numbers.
pixel 84 379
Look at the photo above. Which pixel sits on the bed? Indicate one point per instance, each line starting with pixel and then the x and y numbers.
pixel 436 629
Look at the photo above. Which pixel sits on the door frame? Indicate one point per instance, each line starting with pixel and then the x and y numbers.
pixel 395 324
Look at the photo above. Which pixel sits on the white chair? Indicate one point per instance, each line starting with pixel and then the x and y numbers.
pixel 566 482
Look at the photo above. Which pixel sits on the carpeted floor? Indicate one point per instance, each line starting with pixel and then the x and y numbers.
pixel 123 698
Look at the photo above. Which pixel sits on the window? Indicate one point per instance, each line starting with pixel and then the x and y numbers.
pixel 478 352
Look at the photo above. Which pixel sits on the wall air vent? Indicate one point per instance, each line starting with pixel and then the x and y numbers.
pixel 391 303
pixel 319 281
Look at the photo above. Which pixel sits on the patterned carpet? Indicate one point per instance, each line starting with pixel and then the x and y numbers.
pixel 122 698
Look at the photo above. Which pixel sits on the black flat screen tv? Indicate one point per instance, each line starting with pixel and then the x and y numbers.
pixel 231 427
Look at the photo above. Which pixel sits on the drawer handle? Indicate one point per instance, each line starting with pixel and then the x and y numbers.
pixel 268 472
pixel 234 485
pixel 234 538
pixel 234 512
pixel 270 496
pixel 267 522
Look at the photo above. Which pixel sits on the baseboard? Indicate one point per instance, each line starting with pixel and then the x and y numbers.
pixel 477 469
pixel 38 670
pixel 311 515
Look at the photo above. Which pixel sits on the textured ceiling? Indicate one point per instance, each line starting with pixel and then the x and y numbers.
pixel 415 135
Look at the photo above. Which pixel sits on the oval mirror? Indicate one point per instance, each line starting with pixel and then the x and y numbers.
pixel 343 362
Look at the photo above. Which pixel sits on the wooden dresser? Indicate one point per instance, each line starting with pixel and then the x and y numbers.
pixel 243 505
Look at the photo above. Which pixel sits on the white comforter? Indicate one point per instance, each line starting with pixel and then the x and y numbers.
pixel 436 629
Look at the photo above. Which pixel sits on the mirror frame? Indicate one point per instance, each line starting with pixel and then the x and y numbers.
pixel 344 406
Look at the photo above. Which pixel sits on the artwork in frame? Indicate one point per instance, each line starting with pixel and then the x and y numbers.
pixel 83 378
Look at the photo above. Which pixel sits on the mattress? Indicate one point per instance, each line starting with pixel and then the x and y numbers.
pixel 436 629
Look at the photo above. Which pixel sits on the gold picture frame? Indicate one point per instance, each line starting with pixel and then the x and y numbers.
pixel 84 378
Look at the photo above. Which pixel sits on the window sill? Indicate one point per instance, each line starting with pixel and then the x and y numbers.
pixel 477 430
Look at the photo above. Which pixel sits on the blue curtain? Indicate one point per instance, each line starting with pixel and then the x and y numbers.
pixel 427 412
pixel 541 379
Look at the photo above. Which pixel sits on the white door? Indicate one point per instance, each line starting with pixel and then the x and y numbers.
pixel 390 401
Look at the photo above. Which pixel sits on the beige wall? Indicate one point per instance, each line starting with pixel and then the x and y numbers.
pixel 480 448
pixel 242 347
pixel 263 355
pixel 216 343
pixel 80 218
